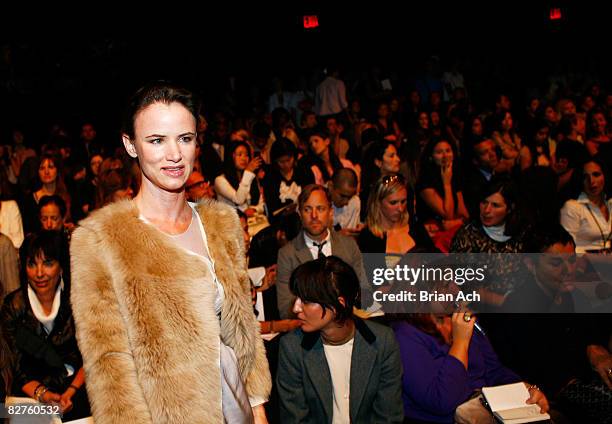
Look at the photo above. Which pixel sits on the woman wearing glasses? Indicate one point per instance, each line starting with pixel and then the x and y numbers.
pixel 444 362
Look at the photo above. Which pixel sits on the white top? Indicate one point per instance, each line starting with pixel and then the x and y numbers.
pixel 10 222
pixel 241 198
pixel 339 362
pixel 585 222
pixel 235 402
pixel 348 216
pixel 330 97
pixel 314 250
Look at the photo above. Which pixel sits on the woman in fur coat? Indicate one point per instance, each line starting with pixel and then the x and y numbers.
pixel 160 290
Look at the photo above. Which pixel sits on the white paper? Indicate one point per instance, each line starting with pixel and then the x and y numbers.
pixel 508 403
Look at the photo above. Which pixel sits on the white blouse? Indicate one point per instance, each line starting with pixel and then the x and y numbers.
pixel 241 198
pixel 587 225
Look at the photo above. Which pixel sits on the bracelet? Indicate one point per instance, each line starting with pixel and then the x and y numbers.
pixel 41 394
pixel 36 390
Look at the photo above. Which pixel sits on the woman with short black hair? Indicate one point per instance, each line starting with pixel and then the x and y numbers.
pixel 336 368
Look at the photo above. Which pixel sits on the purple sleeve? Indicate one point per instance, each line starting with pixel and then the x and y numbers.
pixel 432 379
pixel 496 373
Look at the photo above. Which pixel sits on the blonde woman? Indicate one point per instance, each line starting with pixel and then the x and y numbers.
pixel 389 227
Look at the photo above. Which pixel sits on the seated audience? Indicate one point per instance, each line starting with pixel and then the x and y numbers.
pixel 445 361
pixel 238 185
pixel 197 188
pixel 39 328
pixel 496 230
pixel 479 172
pixel 589 217
pixel 283 181
pixel 336 368
pixel 559 349
pixel 347 205
pixel 440 205
pixel 316 240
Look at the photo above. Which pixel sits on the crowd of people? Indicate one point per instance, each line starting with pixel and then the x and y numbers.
pixel 172 283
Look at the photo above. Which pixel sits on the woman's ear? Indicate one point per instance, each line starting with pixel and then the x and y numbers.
pixel 129 146
pixel 378 163
pixel 341 300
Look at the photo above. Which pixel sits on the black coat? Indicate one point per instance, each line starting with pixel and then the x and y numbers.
pixel 39 356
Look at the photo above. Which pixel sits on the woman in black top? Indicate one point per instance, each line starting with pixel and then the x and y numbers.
pixel 390 228
pixel 283 181
pixel 39 328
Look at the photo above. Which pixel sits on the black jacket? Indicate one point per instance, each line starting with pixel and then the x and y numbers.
pixel 39 356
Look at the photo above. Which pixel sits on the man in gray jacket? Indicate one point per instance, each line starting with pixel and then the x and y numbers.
pixel 316 239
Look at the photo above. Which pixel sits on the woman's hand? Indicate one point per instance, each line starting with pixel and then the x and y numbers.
pixel 461 334
pixel 50 397
pixel 601 362
pixel 269 279
pixel 259 415
pixel 254 164
pixel 66 399
pixel 446 172
pixel 462 330
pixel 537 397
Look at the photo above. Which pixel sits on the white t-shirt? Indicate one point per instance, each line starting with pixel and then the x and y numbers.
pixel 339 362
pixel 348 216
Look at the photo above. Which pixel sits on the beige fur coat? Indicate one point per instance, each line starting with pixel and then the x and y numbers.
pixel 146 323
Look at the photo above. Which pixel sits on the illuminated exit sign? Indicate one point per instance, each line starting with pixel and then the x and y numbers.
pixel 311 21
pixel 555 14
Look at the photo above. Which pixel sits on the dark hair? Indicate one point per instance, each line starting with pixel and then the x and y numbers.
pixel 508 190
pixel 316 160
pixel 158 92
pixel 575 153
pixel 109 182
pixel 232 175
pixel 345 176
pixel 376 150
pixel 323 281
pixel 567 123
pixel 54 199
pixel 430 171
pixel 308 190
pixel 52 244
pixel 590 133
pixel 542 240
pixel 282 147
pixel 599 161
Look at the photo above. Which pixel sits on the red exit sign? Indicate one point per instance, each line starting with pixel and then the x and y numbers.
pixel 555 14
pixel 311 21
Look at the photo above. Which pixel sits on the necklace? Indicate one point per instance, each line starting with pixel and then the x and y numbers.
pixel 344 340
pixel 604 239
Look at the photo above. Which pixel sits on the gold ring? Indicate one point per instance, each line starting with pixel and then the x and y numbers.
pixel 467 317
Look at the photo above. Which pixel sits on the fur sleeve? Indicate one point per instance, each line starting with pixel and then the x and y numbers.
pixel 256 369
pixel 239 327
pixel 111 377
